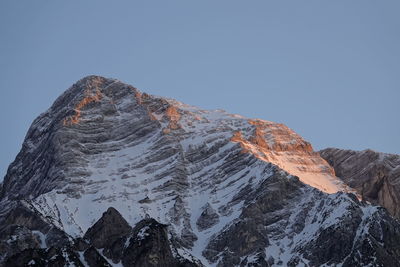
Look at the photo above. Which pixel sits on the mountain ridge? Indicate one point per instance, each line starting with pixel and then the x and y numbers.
pixel 225 190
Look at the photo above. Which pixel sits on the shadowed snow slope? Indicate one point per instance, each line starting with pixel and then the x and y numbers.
pixel 231 190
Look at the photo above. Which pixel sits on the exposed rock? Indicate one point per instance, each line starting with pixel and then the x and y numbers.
pixel 93 258
pixel 42 257
pixel 208 218
pixel 108 229
pixel 80 244
pixel 277 144
pixel 300 224
pixel 198 187
pixel 145 245
pixel 376 176
pixel 24 228
pixel 149 246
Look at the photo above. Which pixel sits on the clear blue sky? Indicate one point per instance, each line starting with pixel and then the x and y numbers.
pixel 330 70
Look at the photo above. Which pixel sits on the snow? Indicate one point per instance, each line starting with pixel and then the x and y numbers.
pixel 82 259
pixel 66 257
pixel 143 233
pixel 119 264
pixel 12 239
pixel 123 178
pixel 336 207
pixel 42 238
pixel 127 242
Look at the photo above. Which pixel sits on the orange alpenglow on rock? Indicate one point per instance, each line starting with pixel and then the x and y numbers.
pixel 173 116
pixel 276 143
pixel 89 98
pixel 138 96
pixel 238 138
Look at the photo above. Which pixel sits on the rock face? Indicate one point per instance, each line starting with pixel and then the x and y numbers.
pixel 376 176
pixel 112 176
pixel 108 229
pixel 208 218
pixel 149 246
pixel 108 242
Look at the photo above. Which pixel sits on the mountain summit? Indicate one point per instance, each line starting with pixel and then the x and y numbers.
pixel 185 186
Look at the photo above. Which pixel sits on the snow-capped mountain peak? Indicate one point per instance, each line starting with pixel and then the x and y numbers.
pixel 209 175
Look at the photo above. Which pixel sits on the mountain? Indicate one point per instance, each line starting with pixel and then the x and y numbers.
pixel 375 176
pixel 113 176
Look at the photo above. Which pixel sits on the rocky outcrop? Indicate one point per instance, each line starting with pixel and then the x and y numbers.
pixel 92 257
pixel 149 246
pixel 109 241
pixel 108 229
pixel 208 218
pixel 375 176
pixel 109 234
pixel 25 228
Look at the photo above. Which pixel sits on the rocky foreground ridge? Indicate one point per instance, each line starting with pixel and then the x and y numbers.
pixel 112 176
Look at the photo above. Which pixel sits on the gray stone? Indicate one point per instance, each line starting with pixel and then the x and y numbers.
pixel 376 176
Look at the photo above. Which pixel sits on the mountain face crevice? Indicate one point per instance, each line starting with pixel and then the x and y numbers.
pixel 111 176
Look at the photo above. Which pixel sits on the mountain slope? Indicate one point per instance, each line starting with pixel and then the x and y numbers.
pixel 376 176
pixel 224 189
